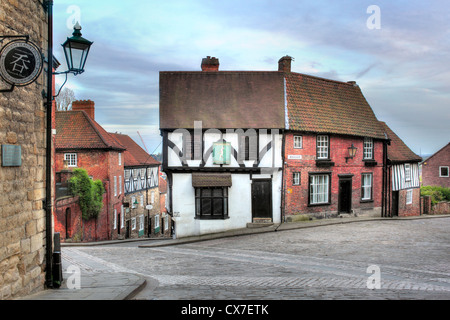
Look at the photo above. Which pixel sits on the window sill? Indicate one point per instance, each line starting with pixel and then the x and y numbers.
pixel 212 218
pixel 366 201
pixel 318 204
pixel 370 163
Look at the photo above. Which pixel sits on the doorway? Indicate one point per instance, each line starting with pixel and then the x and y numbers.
pixel 262 199
pixel 395 199
pixel 345 195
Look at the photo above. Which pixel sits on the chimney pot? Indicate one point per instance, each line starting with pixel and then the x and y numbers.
pixel 210 64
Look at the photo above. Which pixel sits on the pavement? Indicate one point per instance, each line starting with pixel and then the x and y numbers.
pixel 124 286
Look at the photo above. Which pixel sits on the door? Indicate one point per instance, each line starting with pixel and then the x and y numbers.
pixel 345 195
pixel 395 203
pixel 128 230
pixel 262 198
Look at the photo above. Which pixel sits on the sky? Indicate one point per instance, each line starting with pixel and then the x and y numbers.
pixel 398 52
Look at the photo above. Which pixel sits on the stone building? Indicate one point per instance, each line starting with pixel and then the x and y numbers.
pixel 23 185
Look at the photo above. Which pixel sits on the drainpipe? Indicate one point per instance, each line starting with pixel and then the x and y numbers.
pixel 283 183
pixel 48 165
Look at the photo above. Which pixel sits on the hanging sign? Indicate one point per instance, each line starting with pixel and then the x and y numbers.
pixel 221 153
pixel 20 63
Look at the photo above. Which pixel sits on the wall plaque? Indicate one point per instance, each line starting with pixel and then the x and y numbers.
pixel 11 156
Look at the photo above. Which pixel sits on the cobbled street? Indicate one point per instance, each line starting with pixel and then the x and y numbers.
pixel 326 262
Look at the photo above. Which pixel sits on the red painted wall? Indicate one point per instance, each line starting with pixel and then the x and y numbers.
pixel 296 197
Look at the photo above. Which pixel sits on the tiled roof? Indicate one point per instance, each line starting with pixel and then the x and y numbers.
pixel 327 106
pixel 76 130
pixel 200 179
pixel 222 99
pixel 134 155
pixel 398 151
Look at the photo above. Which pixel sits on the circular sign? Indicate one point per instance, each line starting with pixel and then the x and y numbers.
pixel 20 63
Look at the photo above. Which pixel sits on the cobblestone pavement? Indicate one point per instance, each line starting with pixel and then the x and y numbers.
pixel 328 262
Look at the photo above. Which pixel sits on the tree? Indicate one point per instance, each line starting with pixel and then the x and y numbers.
pixel 64 100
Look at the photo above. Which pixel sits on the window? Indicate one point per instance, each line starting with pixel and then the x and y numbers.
pixel 152 197
pixel 142 200
pixel 193 145
pixel 166 223
pixel 121 216
pixel 368 149
pixel 407 172
pixel 115 186
pixel 71 159
pixel 115 219
pixel 120 184
pixel 120 159
pixel 366 186
pixel 322 147
pixel 248 147
pixel 141 222
pixel 443 172
pixel 133 224
pixel 296 179
pixel 133 202
pixel 298 142
pixel 211 203
pixel 409 196
pixel 319 189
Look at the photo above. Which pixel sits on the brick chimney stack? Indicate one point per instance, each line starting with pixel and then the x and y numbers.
pixel 284 64
pixel 210 64
pixel 87 106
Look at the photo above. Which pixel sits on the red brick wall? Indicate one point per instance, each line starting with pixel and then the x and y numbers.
pixel 296 201
pixel 412 209
pixel 430 169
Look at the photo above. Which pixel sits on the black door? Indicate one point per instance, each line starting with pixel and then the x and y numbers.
pixel 262 198
pixel 345 195
pixel 395 203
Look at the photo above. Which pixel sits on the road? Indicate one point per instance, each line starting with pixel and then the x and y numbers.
pixel 409 259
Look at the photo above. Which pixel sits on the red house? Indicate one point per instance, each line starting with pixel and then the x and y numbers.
pixel 334 148
pixel 82 143
pixel 435 169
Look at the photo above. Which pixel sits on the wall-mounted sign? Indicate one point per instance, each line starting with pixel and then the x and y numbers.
pixel 20 63
pixel 295 157
pixel 222 153
pixel 11 156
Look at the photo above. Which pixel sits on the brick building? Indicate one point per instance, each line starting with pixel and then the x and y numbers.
pixel 403 177
pixel 82 143
pixel 435 169
pixel 23 231
pixel 325 119
pixel 141 215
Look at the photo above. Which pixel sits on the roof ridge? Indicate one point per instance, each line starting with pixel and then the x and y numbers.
pixel 324 79
pixel 93 122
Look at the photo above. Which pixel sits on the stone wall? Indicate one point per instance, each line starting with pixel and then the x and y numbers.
pixel 22 188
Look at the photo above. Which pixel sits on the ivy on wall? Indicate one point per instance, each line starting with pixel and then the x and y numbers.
pixel 90 193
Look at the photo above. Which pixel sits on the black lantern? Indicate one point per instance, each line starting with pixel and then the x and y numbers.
pixel 351 152
pixel 76 50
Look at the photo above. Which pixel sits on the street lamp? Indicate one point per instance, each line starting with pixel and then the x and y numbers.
pixel 76 50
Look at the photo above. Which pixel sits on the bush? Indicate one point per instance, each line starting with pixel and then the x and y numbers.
pixel 437 193
pixel 90 193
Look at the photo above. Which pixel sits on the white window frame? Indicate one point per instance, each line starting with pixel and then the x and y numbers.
pixel 319 189
pixel 407 172
pixel 141 222
pixel 157 221
pixel 166 223
pixel 296 179
pixel 115 219
pixel 152 197
pixel 141 198
pixel 298 142
pixel 120 185
pixel 133 200
pixel 323 147
pixel 366 186
pixel 72 159
pixel 133 223
pixel 115 186
pixel 368 149
pixel 122 217
pixel 440 172
pixel 409 196
pixel 120 158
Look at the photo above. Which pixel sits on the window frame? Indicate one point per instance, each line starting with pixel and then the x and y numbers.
pixel 320 148
pixel 368 149
pixel 440 172
pixel 200 197
pixel 296 178
pixel 313 176
pixel 409 196
pixel 298 142
pixel 408 173
pixel 363 186
pixel 71 160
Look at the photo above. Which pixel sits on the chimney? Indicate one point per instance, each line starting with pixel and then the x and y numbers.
pixel 284 64
pixel 210 64
pixel 87 106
